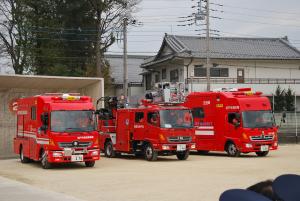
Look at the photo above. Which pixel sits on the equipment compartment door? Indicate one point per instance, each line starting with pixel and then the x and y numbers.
pixel 20 128
pixel 205 131
pixel 123 131
pixel 139 126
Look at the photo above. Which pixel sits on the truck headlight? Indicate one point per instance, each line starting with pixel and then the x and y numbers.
pixel 57 154
pixel 94 153
pixel 165 147
pixel 193 146
pixel 248 145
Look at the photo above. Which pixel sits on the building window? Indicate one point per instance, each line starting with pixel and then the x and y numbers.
pixel 33 113
pixel 200 71
pixel 219 72
pixel 174 77
pixel 164 74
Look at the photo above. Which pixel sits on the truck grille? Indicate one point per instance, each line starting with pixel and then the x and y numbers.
pixel 180 139
pixel 262 138
pixel 74 144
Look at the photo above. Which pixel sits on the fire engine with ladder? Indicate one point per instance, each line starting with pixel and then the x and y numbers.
pixel 56 128
pixel 150 130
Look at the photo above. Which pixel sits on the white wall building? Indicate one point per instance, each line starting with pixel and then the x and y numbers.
pixel 135 79
pixel 259 63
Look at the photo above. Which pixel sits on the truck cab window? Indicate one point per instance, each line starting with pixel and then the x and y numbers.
pixel 198 112
pixel 153 118
pixel 233 118
pixel 139 117
pixel 33 113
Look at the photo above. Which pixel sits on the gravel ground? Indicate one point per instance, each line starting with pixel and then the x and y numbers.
pixel 200 178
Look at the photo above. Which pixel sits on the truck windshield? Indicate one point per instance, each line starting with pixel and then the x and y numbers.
pixel 176 119
pixel 72 121
pixel 258 119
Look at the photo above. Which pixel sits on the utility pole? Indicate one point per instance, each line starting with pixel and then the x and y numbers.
pixel 125 84
pixel 207 46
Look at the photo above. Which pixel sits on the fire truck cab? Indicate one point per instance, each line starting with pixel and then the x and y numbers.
pixel 236 121
pixel 149 130
pixel 56 128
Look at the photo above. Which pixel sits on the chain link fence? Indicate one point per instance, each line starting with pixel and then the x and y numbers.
pixel 288 130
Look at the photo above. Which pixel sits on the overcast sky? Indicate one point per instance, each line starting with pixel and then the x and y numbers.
pixel 240 18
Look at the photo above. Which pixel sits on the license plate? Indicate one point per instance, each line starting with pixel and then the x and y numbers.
pixel 264 148
pixel 181 147
pixel 77 158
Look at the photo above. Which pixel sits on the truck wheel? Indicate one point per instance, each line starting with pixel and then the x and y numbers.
pixel 109 151
pixel 23 158
pixel 183 155
pixel 89 163
pixel 262 153
pixel 232 150
pixel 45 162
pixel 150 153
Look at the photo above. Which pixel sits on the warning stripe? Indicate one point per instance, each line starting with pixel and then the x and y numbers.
pixel 31 134
pixel 204 132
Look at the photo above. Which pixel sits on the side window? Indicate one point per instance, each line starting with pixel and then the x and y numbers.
pixel 153 119
pixel 33 113
pixel 139 117
pixel 198 112
pixel 233 118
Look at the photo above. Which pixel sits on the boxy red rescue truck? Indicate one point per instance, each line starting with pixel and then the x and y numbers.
pixel 235 121
pixel 56 128
pixel 149 130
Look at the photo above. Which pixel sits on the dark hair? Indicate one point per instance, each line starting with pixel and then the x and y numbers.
pixel 265 188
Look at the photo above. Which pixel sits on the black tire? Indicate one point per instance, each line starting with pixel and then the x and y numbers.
pixel 109 151
pixel 23 158
pixel 44 161
pixel 149 153
pixel 232 150
pixel 203 152
pixel 262 153
pixel 89 163
pixel 183 155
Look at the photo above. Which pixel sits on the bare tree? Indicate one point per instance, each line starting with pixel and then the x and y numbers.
pixel 108 15
pixel 13 33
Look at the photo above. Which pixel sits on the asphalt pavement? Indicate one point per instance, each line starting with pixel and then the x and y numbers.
pixel 11 190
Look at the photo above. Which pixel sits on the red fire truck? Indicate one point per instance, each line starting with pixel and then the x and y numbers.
pixel 56 128
pixel 149 130
pixel 236 120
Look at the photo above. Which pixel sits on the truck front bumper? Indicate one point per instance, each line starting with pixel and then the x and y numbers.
pixel 258 146
pixel 175 147
pixel 68 156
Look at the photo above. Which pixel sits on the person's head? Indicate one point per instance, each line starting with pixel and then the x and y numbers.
pixel 265 188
